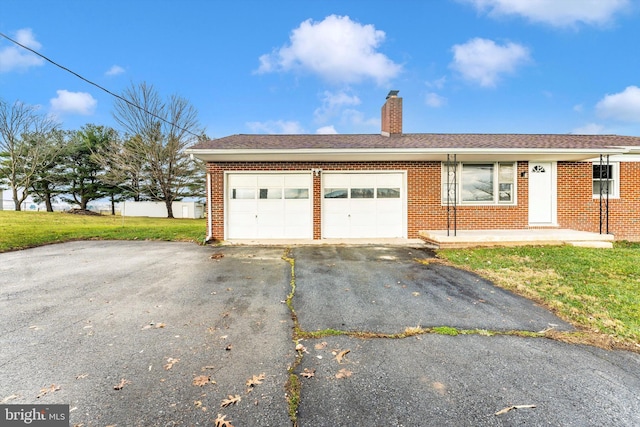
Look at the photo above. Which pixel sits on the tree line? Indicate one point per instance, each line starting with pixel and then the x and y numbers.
pixel 146 160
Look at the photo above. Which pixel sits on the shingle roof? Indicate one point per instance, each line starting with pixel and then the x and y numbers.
pixel 418 140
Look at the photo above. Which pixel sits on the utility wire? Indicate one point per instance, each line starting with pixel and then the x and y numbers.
pixel 98 86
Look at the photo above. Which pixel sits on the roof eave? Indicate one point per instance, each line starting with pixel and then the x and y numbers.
pixel 405 154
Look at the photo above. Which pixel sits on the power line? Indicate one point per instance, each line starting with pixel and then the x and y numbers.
pixel 98 86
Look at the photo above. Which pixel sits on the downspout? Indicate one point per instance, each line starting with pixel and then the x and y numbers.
pixel 209 213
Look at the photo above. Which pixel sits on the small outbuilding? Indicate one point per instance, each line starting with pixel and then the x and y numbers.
pixel 192 210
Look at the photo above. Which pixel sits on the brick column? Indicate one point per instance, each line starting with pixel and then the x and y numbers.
pixel 317 206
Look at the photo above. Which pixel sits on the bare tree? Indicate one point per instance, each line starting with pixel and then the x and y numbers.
pixel 160 132
pixel 23 146
pixel 122 168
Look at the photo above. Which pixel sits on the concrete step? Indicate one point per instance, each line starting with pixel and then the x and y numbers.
pixel 592 244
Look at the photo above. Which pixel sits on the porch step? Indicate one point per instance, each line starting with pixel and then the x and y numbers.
pixel 592 244
pixel 471 238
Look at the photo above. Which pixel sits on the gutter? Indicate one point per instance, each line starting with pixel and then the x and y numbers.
pixel 409 154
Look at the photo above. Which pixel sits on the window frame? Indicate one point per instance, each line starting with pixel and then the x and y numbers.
pixel 615 177
pixel 496 182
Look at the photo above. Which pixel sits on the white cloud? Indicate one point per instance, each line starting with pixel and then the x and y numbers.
pixel 438 83
pixel 589 129
pixel 332 103
pixel 623 106
pixel 114 71
pixel 558 13
pixel 483 61
pixel 276 127
pixel 16 58
pixel 73 102
pixel 337 49
pixel 578 108
pixel 357 118
pixel 327 130
pixel 434 100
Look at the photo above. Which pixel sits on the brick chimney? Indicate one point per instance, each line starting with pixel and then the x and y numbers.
pixel 392 115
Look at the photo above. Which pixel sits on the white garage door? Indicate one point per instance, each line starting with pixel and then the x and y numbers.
pixel 269 206
pixel 363 205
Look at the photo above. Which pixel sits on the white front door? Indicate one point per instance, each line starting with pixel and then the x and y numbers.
pixel 363 205
pixel 542 193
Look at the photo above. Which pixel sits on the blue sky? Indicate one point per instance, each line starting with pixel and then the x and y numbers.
pixel 326 66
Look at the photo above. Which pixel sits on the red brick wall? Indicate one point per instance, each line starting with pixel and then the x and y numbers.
pixel 576 207
pixel 391 116
pixel 578 210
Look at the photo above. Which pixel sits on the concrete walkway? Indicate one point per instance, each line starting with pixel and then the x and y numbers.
pixel 438 239
pixel 555 236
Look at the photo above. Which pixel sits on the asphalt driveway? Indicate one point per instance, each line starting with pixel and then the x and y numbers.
pixel 186 330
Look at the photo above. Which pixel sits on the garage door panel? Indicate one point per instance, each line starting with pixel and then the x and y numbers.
pixel 267 205
pixel 270 180
pixel 363 205
pixel 297 181
pixel 389 180
pixel 261 206
pixel 242 180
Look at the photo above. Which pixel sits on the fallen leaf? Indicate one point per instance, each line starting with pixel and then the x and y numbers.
pixel 308 373
pixel 232 400
pixel 50 389
pixel 229 347
pixel 81 376
pixel 217 256
pixel 440 388
pixel 221 422
pixel 509 408
pixel 121 384
pixel 340 356
pixel 321 345
pixel 255 380
pixel 202 380
pixel 415 294
pixel 301 348
pixel 8 398
pixel 343 373
pixel 160 325
pixel 170 362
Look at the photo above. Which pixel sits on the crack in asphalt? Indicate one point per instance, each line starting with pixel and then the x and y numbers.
pixel 293 386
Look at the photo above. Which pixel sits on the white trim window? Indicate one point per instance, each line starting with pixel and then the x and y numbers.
pixel 480 183
pixel 610 179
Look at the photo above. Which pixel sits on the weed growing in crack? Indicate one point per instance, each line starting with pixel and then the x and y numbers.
pixel 293 386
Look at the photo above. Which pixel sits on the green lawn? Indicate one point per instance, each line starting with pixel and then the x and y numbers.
pixel 598 289
pixel 19 230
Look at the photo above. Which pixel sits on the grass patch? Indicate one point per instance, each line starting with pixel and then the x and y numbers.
pixel 21 230
pixel 597 289
pixel 293 389
pixel 445 330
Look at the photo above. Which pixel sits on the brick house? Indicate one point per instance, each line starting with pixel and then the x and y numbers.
pixel 394 184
